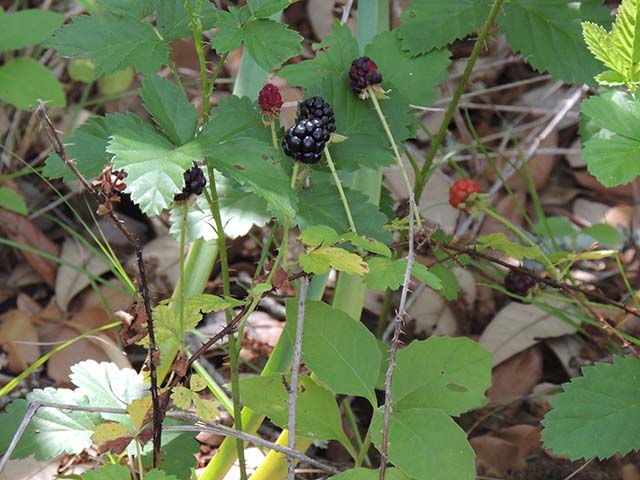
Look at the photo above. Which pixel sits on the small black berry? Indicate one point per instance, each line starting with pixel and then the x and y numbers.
pixel 318 108
pixel 519 283
pixel 305 141
pixel 194 183
pixel 363 73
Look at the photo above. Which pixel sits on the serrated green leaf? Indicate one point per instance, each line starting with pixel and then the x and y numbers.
pixel 320 205
pixel 154 166
pixel 450 285
pixel 26 27
pixel 51 431
pixel 230 34
pixel 11 200
pixel 360 473
pixel 319 260
pixel 385 273
pixel 596 414
pixel 182 448
pixel 197 383
pixel 206 408
pixel 108 472
pixel 87 147
pixel 206 302
pixel 159 475
pixel 599 43
pixel 182 397
pixel 106 385
pixel 317 414
pixel 240 209
pixel 549 35
pixel 258 165
pixel 426 276
pixel 612 153
pixel 266 8
pixel 271 43
pixel 172 18
pixel 234 116
pixel 133 8
pixel 499 241
pixel 454 374
pixel 170 108
pixel 167 322
pixel 415 77
pixel 368 244
pixel 448 454
pixel 429 24
pixel 339 350
pixel 319 235
pixel 113 42
pixel 23 81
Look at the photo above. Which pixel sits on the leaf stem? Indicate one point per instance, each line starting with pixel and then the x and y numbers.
pixel 196 29
pixel 396 151
pixel 343 197
pixel 421 179
pixel 214 206
pixel 183 232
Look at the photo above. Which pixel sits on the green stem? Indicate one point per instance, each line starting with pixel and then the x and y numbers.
pixel 363 455
pixel 353 424
pixel 196 30
pixel 183 231
pixel 466 75
pixel 396 151
pixel 343 197
pixel 216 389
pixel 383 319
pixel 212 199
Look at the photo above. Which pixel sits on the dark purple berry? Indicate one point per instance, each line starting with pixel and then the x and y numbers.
pixel 317 108
pixel 364 73
pixel 305 141
pixel 194 183
pixel 519 283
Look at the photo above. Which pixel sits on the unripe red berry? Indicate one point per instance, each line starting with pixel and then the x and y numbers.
pixel 364 73
pixel 270 100
pixel 460 191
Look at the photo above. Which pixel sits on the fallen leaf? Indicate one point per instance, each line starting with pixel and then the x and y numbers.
pixel 114 292
pixel 19 338
pixel 515 378
pixel 517 327
pixel 22 230
pixel 501 452
pixel 162 257
pixel 70 281
pixel 568 349
pixel 27 305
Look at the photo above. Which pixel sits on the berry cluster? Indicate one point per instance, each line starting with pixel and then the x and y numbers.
pixel 364 73
pixel 460 191
pixel 317 108
pixel 305 141
pixel 194 183
pixel 519 282
pixel 270 100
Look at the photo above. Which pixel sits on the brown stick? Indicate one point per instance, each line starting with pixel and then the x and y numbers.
pixel 143 290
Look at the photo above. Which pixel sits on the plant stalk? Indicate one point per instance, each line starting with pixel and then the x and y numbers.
pixel 338 183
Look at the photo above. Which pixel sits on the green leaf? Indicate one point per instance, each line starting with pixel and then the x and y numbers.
pixel 317 414
pixel 11 419
pixel 181 448
pixel 172 18
pixel 454 374
pixel 319 260
pixel 426 276
pixel 415 77
pixel 368 244
pixel 87 147
pixel 170 108
pixel 206 303
pixel 108 472
pixel 26 27
pixel 319 235
pixel 385 273
pixel 23 81
pixel 51 431
pixel 182 397
pixel 429 24
pixel 360 473
pixel 240 210
pixel 596 415
pixel 134 8
pixel 605 234
pixel 167 322
pixel 266 8
pixel 113 42
pixel 612 153
pixel 320 205
pixel 450 285
pixel 549 35
pixel 154 166
pixel 156 474
pixel 258 165
pixel 106 385
pixel 339 350
pixel 233 116
pixel 447 454
pixel 12 200
pixel 269 43
pixel 499 241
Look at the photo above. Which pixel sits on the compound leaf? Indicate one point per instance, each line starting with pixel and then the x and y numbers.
pixel 172 18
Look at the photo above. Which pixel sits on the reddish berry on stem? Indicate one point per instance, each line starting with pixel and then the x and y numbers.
pixel 519 283
pixel 460 191
pixel 270 100
pixel 364 73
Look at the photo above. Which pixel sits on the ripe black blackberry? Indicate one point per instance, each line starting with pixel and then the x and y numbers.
pixel 194 183
pixel 305 141
pixel 364 73
pixel 519 282
pixel 316 107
